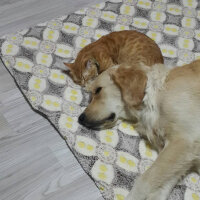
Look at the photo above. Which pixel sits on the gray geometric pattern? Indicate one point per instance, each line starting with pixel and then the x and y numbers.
pixel 112 158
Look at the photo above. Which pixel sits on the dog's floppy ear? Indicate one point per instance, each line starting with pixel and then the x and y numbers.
pixel 132 83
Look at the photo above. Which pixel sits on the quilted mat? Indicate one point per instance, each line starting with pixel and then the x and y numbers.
pixel 112 158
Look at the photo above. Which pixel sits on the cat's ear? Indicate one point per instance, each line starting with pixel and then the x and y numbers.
pixel 91 63
pixel 91 70
pixel 69 65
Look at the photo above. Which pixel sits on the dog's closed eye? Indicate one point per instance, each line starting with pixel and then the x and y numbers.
pixel 98 90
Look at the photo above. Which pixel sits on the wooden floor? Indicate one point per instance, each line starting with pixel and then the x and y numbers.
pixel 35 163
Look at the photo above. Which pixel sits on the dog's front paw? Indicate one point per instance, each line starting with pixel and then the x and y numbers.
pixel 135 196
pixel 139 191
pixel 129 197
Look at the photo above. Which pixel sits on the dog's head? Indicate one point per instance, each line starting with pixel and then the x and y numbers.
pixel 116 93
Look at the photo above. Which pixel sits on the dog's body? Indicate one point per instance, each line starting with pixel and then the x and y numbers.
pixel 166 105
pixel 129 47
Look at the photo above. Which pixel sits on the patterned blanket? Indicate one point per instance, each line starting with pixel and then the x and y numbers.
pixel 112 158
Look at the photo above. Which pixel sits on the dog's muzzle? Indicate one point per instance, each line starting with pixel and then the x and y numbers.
pixel 96 125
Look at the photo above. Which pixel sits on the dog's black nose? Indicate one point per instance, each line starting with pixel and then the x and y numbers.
pixel 81 118
pixel 111 117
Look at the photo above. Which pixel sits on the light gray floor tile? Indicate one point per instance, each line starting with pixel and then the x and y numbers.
pixel 35 163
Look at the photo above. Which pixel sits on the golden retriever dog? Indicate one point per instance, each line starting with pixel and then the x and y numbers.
pixel 165 105
pixel 130 47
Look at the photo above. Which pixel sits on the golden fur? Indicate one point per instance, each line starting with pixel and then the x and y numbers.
pixel 166 110
pixel 132 82
pixel 129 47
